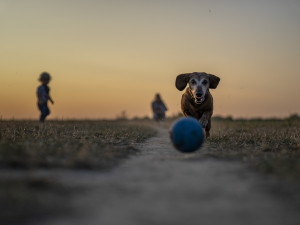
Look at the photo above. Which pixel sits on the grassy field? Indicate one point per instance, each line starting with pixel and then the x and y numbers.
pixel 71 144
pixel 268 146
pixel 26 146
pixel 272 146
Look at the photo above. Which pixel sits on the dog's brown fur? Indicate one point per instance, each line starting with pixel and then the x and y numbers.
pixel 201 111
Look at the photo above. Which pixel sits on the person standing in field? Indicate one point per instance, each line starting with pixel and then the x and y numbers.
pixel 159 108
pixel 43 95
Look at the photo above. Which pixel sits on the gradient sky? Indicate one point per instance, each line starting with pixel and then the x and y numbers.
pixel 114 55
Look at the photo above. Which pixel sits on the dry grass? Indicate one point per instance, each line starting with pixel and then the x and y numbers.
pixel 272 147
pixel 27 146
pixel 71 144
pixel 269 146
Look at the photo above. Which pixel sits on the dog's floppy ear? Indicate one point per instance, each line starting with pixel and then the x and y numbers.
pixel 182 80
pixel 213 81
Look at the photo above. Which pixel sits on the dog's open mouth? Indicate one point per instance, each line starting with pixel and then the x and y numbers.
pixel 199 100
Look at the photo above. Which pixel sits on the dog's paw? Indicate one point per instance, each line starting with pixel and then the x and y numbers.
pixel 207 134
pixel 203 122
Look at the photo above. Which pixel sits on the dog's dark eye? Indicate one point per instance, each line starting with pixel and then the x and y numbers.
pixel 193 82
pixel 204 82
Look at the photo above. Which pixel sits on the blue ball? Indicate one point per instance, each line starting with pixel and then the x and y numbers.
pixel 187 134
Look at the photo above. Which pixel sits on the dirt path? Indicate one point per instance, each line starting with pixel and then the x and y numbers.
pixel 162 186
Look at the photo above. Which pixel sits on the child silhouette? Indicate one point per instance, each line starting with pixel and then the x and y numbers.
pixel 43 95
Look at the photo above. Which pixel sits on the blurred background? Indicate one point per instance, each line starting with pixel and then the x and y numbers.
pixel 109 58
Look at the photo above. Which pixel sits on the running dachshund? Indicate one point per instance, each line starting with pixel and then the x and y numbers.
pixel 197 101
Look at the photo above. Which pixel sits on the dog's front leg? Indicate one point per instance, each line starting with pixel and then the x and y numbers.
pixel 205 122
pixel 205 118
pixel 207 129
pixel 186 113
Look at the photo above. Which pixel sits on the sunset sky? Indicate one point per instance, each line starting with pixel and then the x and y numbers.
pixel 107 56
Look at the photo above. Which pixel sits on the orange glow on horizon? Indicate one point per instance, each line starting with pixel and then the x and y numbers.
pixel 103 63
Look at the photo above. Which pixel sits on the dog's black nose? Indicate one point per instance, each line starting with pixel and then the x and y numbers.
pixel 198 94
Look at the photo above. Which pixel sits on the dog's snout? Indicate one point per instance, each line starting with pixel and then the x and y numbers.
pixel 199 94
